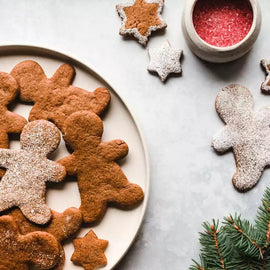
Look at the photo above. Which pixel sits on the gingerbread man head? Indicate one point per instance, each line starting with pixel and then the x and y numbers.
pixel 20 251
pixel 80 132
pixel 234 103
pixel 55 98
pixel 40 136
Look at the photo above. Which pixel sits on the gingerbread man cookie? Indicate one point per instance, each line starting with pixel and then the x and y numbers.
pixel 55 98
pixel 265 87
pixel 18 251
pixel 89 251
pixel 100 179
pixel 140 18
pixel 246 131
pixel 62 226
pixel 28 169
pixel 10 122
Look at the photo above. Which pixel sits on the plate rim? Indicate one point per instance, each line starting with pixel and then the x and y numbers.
pixel 16 49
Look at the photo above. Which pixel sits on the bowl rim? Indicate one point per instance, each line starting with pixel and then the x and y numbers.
pixel 200 42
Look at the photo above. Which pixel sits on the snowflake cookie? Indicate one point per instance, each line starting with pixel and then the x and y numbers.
pixel 165 60
pixel 247 132
pixel 140 18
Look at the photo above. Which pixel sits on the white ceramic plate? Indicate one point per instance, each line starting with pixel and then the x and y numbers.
pixel 118 226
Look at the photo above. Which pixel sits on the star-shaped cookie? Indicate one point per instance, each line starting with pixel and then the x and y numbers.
pixel 140 18
pixel 164 60
pixel 89 251
pixel 265 87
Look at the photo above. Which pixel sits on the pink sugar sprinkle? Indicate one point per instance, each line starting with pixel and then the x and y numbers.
pixel 222 23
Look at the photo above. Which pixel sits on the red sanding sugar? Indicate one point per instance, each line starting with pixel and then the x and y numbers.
pixel 222 23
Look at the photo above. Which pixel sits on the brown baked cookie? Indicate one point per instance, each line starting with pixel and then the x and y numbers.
pixel 18 251
pixel 10 122
pixel 55 98
pixel 62 226
pixel 140 18
pixel 89 251
pixel 28 170
pixel 247 132
pixel 100 179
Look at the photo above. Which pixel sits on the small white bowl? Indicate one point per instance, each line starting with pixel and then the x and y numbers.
pixel 216 54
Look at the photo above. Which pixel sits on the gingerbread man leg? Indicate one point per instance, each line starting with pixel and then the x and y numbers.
pixel 128 196
pixel 247 175
pixel 92 207
pixel 36 211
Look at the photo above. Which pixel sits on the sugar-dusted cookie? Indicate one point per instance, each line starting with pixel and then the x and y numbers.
pixel 246 131
pixel 89 251
pixel 140 18
pixel 18 251
pixel 28 169
pixel 100 179
pixel 61 226
pixel 55 98
pixel 265 87
pixel 164 60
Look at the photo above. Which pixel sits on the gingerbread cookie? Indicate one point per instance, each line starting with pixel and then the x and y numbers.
pixel 265 87
pixel 62 226
pixel 55 98
pixel 28 169
pixel 164 60
pixel 246 131
pixel 10 122
pixel 140 18
pixel 100 179
pixel 89 251
pixel 18 251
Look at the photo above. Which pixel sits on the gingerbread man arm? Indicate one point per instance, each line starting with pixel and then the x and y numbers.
pixel 222 141
pixel 5 156
pixel 42 249
pixel 29 75
pixel 114 150
pixel 64 75
pixel 58 172
pixel 69 163
pixel 15 122
pixel 263 116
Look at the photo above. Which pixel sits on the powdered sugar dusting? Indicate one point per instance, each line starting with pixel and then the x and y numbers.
pixel 28 169
pixel 165 60
pixel 247 132
pixel 265 87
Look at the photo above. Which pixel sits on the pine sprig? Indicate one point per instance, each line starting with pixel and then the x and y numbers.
pixel 216 252
pixel 237 244
pixel 243 236
pixel 262 222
